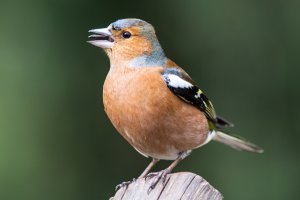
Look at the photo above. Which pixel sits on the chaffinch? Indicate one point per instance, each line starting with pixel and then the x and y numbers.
pixel 152 102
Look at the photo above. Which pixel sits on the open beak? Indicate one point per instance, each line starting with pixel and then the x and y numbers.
pixel 101 38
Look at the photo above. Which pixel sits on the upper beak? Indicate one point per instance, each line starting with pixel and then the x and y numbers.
pixel 101 38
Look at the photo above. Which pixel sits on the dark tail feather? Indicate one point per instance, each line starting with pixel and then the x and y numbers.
pixel 236 143
pixel 223 123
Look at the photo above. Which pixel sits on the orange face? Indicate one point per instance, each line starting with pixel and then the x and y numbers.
pixel 129 43
pixel 125 39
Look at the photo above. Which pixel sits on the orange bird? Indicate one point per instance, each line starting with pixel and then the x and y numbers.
pixel 152 102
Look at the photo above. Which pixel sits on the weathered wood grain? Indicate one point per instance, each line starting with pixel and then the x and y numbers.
pixel 182 185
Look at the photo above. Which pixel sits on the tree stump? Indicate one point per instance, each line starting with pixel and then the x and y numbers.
pixel 182 185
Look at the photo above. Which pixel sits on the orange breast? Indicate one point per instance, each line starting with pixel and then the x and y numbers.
pixel 149 116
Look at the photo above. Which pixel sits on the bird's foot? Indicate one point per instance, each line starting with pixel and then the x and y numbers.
pixel 124 184
pixel 161 175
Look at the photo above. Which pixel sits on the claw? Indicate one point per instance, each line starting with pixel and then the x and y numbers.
pixel 162 175
pixel 124 184
pixel 152 174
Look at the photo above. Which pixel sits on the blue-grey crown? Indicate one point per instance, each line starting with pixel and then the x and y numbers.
pixel 125 23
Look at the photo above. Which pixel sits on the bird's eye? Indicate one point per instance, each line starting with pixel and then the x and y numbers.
pixel 126 34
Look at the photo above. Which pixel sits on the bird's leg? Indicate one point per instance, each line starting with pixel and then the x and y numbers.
pixel 145 172
pixel 149 167
pixel 162 175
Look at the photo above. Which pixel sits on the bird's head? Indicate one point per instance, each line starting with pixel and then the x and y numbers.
pixel 131 40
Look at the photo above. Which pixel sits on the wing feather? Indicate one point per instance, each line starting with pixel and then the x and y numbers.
pixel 183 87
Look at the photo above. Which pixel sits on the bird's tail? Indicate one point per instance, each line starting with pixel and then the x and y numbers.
pixel 236 143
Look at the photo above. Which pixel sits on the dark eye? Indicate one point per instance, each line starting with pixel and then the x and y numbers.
pixel 126 34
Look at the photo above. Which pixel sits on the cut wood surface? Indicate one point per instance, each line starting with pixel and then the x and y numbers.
pixel 182 185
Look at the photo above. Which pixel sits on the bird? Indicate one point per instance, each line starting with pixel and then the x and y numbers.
pixel 152 102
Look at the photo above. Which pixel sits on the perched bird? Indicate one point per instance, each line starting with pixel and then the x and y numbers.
pixel 152 102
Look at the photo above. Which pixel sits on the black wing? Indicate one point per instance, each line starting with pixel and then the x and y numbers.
pixel 182 86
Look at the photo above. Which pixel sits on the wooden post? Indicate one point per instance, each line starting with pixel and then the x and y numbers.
pixel 182 185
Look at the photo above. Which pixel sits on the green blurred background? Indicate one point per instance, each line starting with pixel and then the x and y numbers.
pixel 55 139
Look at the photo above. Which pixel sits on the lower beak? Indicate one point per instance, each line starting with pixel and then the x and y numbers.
pixel 101 38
